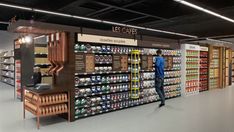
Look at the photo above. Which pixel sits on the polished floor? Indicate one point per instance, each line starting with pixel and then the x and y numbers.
pixel 211 111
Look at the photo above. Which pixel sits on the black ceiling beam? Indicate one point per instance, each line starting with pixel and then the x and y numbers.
pixel 134 19
pixel 132 11
pixel 114 9
pixel 99 11
pixel 76 2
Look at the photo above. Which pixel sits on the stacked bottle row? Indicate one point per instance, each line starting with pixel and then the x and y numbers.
pixel 203 83
pixel 192 71
pixel 214 69
pixel 89 48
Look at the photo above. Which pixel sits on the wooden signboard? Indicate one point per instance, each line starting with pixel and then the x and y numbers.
pixel 80 63
pixel 124 62
pixel 84 63
pixel 116 62
pixel 168 62
pixel 150 62
pixel 144 62
pixel 89 63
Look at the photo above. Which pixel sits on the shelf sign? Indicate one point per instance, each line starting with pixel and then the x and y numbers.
pixel 192 47
pixel 105 39
pixel 202 48
pixel 124 30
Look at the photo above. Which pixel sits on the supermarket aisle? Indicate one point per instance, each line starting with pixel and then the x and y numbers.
pixel 207 112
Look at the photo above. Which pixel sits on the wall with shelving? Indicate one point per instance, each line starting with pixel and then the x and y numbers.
pixel 7 67
pixel 7 39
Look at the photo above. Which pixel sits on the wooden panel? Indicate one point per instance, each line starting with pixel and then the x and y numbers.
pixel 80 63
pixel 150 62
pixel 89 63
pixel 116 62
pixel 124 62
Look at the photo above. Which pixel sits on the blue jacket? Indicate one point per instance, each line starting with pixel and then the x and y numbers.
pixel 159 67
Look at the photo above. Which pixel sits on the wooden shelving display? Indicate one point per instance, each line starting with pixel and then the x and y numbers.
pixel 232 66
pixel 215 67
pixel 190 69
pixel 227 67
pixel 41 60
pixel 46 104
pixel 7 67
pixel 104 87
pixel 204 71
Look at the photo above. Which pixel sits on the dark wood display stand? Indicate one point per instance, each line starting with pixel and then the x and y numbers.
pixel 218 69
pixel 46 103
pixel 66 78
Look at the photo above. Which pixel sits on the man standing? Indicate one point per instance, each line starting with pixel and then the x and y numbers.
pixel 159 76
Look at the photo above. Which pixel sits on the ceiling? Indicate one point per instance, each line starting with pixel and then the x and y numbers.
pixel 159 14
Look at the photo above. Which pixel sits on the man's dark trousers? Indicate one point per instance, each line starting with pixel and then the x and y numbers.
pixel 159 89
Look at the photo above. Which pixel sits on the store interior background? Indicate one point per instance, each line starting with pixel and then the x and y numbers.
pixel 182 20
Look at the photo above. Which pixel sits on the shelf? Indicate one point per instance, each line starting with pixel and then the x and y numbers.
pixel 7 63
pixel 214 67
pixel 192 56
pixel 7 70
pixel 7 56
pixel 101 83
pixel 192 68
pixel 100 52
pixel 192 74
pixel 8 83
pixel 164 78
pixel 203 90
pixel 40 55
pixel 102 102
pixel 46 75
pixel 103 62
pixel 42 64
pixel 214 77
pixel 203 67
pixel 172 84
pixel 109 52
pixel 8 76
pixel 164 70
pixel 120 108
pixel 97 73
pixel 46 104
pixel 101 93
pixel 204 74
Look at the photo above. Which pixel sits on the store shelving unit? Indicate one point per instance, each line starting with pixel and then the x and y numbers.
pixel 43 104
pixel 215 67
pixel 190 68
pixel 7 67
pixel 227 66
pixel 24 62
pixel 103 77
pixel 232 66
pixel 41 60
pixel 135 74
pixel 204 71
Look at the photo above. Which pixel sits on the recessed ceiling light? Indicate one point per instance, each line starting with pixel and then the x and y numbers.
pixel 204 10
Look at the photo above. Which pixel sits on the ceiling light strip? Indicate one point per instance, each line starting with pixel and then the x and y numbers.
pixel 204 10
pixel 94 20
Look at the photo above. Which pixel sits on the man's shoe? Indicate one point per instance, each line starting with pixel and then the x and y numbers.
pixel 161 105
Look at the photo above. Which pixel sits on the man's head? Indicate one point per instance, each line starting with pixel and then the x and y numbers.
pixel 159 52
